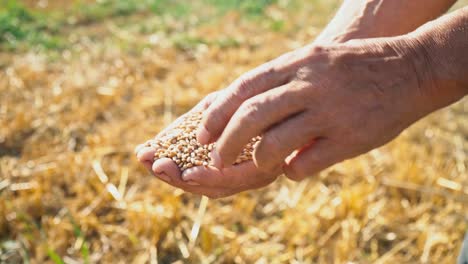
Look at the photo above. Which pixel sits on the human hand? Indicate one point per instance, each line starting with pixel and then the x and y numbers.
pixel 205 180
pixel 317 106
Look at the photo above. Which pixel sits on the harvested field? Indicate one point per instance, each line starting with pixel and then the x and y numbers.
pixel 76 99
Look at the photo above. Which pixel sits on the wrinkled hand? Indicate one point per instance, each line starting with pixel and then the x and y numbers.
pixel 317 106
pixel 209 181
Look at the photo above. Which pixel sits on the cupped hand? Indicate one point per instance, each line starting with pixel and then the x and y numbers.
pixel 204 180
pixel 317 106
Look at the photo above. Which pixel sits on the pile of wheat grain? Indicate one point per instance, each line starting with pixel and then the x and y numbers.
pixel 180 144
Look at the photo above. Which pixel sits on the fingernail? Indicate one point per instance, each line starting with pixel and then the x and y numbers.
pixel 216 159
pixel 203 135
pixel 164 177
pixel 192 183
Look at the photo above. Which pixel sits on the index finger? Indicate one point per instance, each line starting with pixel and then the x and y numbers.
pixel 263 78
pixel 253 118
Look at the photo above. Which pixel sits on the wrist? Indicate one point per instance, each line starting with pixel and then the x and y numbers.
pixel 439 83
pixel 439 54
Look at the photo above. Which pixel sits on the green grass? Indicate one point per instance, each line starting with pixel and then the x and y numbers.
pixel 23 28
pixel 54 256
pixel 20 25
pixel 98 11
pixel 84 249
pixel 249 7
pixel 176 8
pixel 31 226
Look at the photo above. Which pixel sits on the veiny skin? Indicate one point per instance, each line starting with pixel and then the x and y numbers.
pixel 322 104
pixel 340 101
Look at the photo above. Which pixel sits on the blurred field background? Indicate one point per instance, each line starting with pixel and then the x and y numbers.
pixel 83 82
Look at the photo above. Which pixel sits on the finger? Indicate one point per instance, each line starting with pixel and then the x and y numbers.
pixel 166 170
pixel 138 148
pixel 146 156
pixel 248 85
pixel 148 143
pixel 254 117
pixel 267 76
pixel 239 177
pixel 318 156
pixel 281 140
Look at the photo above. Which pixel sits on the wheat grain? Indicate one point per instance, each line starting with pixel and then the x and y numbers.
pixel 180 145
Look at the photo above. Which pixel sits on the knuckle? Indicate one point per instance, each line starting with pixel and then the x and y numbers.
pixel 209 99
pixel 242 88
pixel 246 84
pixel 249 110
pixel 213 118
pixel 267 71
pixel 220 112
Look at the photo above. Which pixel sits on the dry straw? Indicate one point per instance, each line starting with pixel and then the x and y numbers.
pixel 70 184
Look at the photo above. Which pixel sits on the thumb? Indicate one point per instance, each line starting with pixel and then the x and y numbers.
pixel 313 159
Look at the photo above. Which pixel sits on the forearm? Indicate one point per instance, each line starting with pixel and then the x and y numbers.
pixel 441 58
pixel 357 19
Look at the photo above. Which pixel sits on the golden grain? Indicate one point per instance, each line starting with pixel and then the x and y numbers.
pixel 180 145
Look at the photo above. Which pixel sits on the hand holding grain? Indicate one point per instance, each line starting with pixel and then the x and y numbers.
pixel 320 105
pixel 177 158
pixel 317 106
